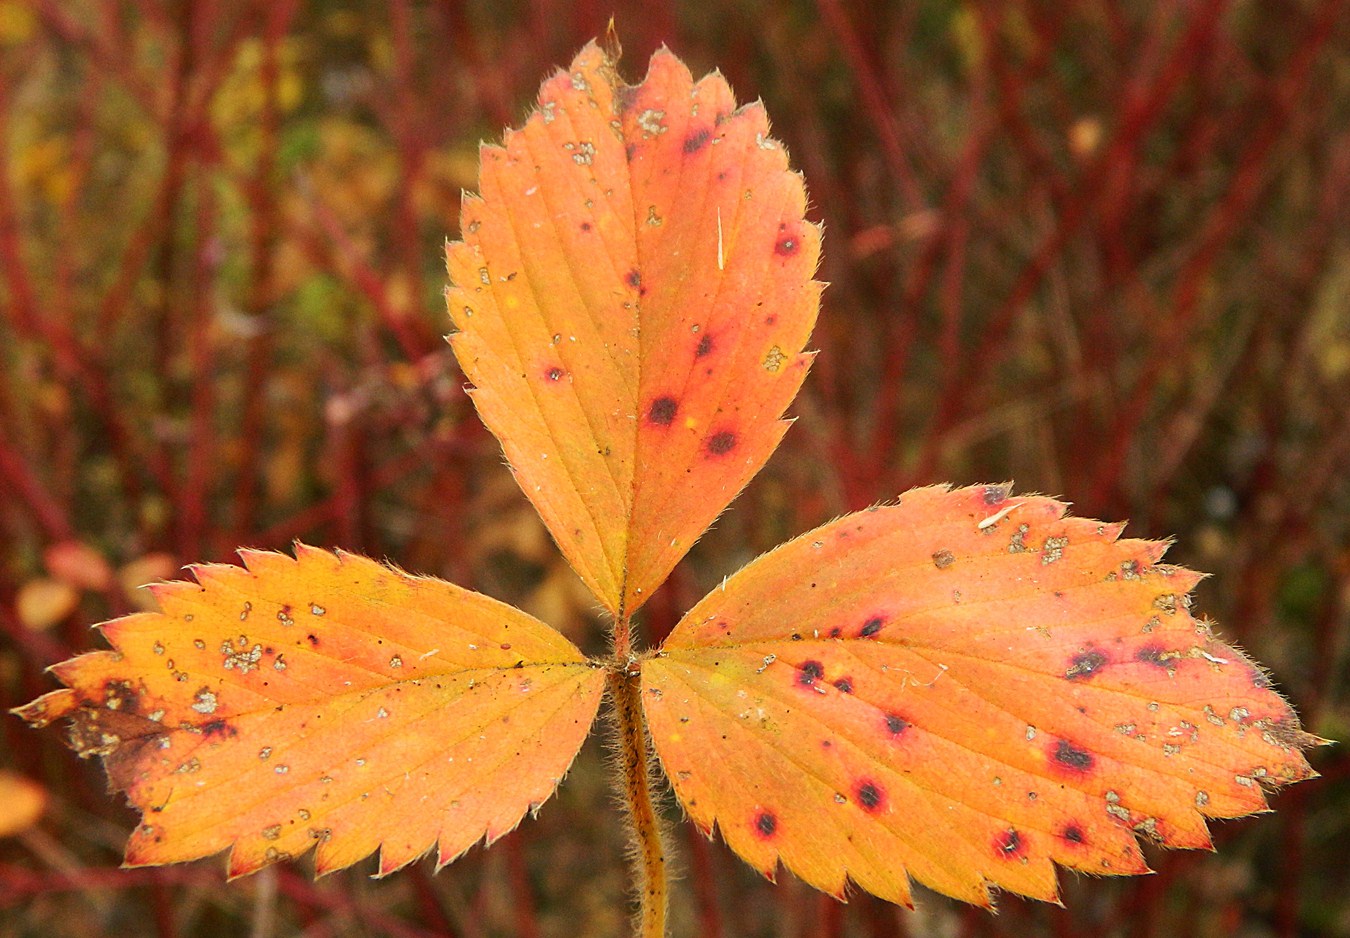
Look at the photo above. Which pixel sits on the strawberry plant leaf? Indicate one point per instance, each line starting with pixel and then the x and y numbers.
pixel 326 701
pixel 632 298
pixel 965 688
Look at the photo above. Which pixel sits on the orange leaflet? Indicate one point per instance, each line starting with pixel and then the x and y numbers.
pixel 633 295
pixel 963 687
pixel 325 701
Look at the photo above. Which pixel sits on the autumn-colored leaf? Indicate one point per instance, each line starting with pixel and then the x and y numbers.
pixel 78 564
pixel 329 701
pixel 963 687
pixel 633 295
pixel 22 802
pixel 41 603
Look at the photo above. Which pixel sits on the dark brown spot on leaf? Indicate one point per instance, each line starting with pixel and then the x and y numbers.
pixel 844 685
pixel 1084 665
pixel 662 411
pixel 1067 754
pixel 896 724
pixel 809 673
pixel 870 796
pixel 705 345
pixel 219 728
pixel 719 444
pixel 1073 834
pixel 872 626
pixel 633 278
pixel 1152 654
pixel 697 141
pixel 787 246
pixel 554 374
pixel 766 824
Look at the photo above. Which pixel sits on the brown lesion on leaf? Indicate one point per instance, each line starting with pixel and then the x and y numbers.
pixel 120 695
pixel 870 796
pixel 896 725
pixel 1084 664
pixel 662 410
pixel 721 443
pixel 765 825
pixel 943 559
pixel 1017 544
pixel 697 140
pixel 1072 757
pixel 1159 657
pixel 808 672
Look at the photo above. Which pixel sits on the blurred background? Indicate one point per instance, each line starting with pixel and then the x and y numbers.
pixel 1102 249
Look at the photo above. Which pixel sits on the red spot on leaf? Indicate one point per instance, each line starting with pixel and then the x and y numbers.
pixel 787 245
pixel 1010 845
pixel 766 825
pixel 719 444
pixel 870 796
pixel 554 373
pixel 896 725
pixel 218 729
pixel 697 141
pixel 809 672
pixel 1152 654
pixel 1071 757
pixel 661 411
pixel 1084 665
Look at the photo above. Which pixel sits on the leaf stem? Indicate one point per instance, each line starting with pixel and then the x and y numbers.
pixel 648 854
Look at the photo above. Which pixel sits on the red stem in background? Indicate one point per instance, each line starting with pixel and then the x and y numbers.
pixel 875 100
pixel 1141 110
pixel 1244 189
pixel 260 190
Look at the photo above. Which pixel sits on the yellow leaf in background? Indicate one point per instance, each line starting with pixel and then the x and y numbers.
pixel 22 802
pixel 42 603
pixel 136 574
